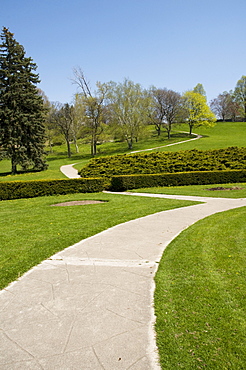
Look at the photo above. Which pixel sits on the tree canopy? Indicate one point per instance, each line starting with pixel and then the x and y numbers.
pixel 22 132
pixel 240 95
pixel 197 111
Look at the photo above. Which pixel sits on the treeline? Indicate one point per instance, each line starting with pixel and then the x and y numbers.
pixel 114 111
pixel 122 111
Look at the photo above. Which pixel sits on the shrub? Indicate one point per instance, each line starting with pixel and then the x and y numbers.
pixel 162 162
pixel 127 182
pixel 36 188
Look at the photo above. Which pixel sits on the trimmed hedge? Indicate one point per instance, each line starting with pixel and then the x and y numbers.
pixel 37 188
pixel 127 182
pixel 161 162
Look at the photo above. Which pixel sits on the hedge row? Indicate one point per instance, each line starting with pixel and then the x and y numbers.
pixel 127 182
pixel 162 162
pixel 30 189
pixel 37 188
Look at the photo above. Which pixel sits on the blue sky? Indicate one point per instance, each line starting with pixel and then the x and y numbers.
pixel 166 43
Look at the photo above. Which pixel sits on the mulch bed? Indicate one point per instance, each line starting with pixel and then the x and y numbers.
pixel 221 188
pixel 77 203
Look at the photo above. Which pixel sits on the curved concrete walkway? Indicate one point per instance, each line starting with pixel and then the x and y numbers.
pixel 69 171
pixel 91 305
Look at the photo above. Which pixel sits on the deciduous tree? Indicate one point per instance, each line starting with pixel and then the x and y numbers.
pixel 167 108
pixel 197 111
pixel 225 106
pixel 240 95
pixel 93 105
pixel 63 116
pixel 200 89
pixel 129 107
pixel 22 131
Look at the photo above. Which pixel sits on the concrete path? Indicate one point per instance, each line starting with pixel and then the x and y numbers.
pixel 163 146
pixel 69 171
pixel 91 305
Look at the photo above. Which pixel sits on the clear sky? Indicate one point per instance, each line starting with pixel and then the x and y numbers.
pixel 166 43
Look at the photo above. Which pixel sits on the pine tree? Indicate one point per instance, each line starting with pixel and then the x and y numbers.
pixel 22 131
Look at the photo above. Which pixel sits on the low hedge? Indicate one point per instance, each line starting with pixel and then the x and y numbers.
pixel 37 188
pixel 127 182
pixel 162 162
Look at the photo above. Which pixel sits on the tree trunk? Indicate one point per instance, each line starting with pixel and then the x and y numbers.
pixel 13 166
pixel 68 148
pixel 129 142
pixel 191 126
pixel 93 145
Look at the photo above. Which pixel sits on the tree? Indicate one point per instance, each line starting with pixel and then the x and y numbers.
pixel 225 106
pixel 22 131
pixel 63 116
pixel 200 90
pixel 167 107
pixel 240 95
pixel 197 111
pixel 129 107
pixel 93 106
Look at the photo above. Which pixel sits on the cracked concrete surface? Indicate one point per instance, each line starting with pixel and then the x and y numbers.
pixel 91 305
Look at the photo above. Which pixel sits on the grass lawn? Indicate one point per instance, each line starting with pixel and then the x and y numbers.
pixel 59 156
pixel 32 230
pixel 200 299
pixel 239 190
pixel 222 135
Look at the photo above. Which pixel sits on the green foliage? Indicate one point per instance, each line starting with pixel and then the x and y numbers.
pixel 240 95
pixel 126 182
pixel 162 162
pixel 129 109
pixel 198 112
pixel 30 189
pixel 22 132
pixel 199 89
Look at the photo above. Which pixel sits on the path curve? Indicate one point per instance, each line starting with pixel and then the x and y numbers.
pixel 71 172
pixel 90 306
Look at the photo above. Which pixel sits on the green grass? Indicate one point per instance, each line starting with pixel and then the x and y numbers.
pixel 200 190
pixel 222 135
pixel 32 231
pixel 200 298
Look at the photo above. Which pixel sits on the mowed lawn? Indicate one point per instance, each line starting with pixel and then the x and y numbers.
pixel 235 190
pixel 33 230
pixel 223 135
pixel 200 297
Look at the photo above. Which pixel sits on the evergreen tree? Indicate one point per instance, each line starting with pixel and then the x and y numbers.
pixel 22 131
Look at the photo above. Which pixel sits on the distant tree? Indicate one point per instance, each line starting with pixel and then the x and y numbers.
pixel 240 95
pixel 129 104
pixel 225 106
pixel 167 108
pixel 22 131
pixel 197 111
pixel 200 90
pixel 93 106
pixel 48 121
pixel 62 118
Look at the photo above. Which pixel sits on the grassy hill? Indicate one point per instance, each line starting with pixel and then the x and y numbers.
pixel 224 134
